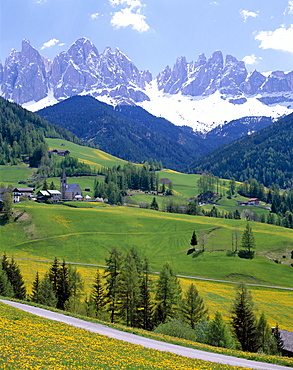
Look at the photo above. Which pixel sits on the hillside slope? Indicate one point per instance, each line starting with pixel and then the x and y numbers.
pixel 22 131
pixel 129 133
pixel 265 155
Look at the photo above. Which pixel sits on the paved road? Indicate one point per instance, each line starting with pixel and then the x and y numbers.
pixel 145 342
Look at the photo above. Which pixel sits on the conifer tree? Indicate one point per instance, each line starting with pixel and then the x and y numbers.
pixel 154 204
pixel 112 273
pixel 193 307
pixel 98 294
pixel 35 297
pixel 218 333
pixel 129 291
pixel 6 289
pixel 47 295
pixel 278 339
pixel 266 339
pixel 248 241
pixel 243 320
pixel 145 302
pixel 193 241
pixel 168 295
pixel 53 274
pixel 16 280
pixel 63 286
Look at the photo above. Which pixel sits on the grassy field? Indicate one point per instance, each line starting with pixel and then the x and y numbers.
pixel 35 348
pixel 10 175
pixel 94 157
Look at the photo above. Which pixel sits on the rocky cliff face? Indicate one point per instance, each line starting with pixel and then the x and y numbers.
pixel 27 76
pixel 230 78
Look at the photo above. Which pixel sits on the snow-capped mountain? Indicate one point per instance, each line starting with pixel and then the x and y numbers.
pixel 202 94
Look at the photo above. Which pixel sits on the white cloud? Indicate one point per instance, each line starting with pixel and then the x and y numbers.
pixel 41 1
pixel 279 39
pixel 129 15
pixel 251 59
pixel 95 15
pixel 289 9
pixel 245 14
pixel 51 43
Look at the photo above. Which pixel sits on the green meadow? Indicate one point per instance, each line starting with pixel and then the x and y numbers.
pixel 86 235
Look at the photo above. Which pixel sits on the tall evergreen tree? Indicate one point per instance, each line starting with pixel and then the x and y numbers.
pixel 35 297
pixel 53 274
pixel 193 241
pixel 63 286
pixel 75 288
pixel 278 338
pixel 129 291
pixel 243 320
pixel 154 204
pixel 112 273
pixel 248 241
pixel 193 307
pixel 98 294
pixel 266 339
pixel 6 289
pixel 168 295
pixel 16 280
pixel 145 302
pixel 47 296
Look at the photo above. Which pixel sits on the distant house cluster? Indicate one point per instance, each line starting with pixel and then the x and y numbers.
pixel 250 202
pixel 62 153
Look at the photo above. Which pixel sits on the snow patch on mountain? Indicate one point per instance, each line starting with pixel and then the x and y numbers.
pixel 205 113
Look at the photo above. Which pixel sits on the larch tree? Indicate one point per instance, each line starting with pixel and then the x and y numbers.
pixel 168 295
pixel 145 302
pixel 98 294
pixel 193 306
pixel 112 273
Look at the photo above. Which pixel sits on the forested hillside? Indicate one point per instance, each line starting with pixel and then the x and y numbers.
pixel 21 132
pixel 266 155
pixel 127 132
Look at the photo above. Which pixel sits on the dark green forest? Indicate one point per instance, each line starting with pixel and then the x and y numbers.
pixel 266 156
pixel 127 132
pixel 22 134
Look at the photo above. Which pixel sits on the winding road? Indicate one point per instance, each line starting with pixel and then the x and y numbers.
pixel 142 341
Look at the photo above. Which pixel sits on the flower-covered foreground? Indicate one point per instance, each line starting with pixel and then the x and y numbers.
pixel 30 342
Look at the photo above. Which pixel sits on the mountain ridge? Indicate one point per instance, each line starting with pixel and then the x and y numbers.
pixel 201 94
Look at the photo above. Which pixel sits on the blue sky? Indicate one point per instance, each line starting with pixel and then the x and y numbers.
pixel 153 33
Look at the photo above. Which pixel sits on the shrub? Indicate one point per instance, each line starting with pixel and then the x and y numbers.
pixel 176 328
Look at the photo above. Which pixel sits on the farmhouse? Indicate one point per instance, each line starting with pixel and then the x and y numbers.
pixel 18 192
pixel 253 201
pixel 61 153
pixel 45 195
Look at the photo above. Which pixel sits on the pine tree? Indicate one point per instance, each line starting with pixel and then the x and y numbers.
pixel 63 286
pixel 154 204
pixel 193 307
pixel 75 288
pixel 266 339
pixel 98 294
pixel 129 291
pixel 35 297
pixel 6 289
pixel 218 333
pixel 16 280
pixel 145 303
pixel 7 206
pixel 47 295
pixel 53 274
pixel 168 295
pixel 193 241
pixel 278 339
pixel 112 273
pixel 243 320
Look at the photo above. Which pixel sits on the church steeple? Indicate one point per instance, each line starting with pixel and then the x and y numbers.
pixel 63 183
